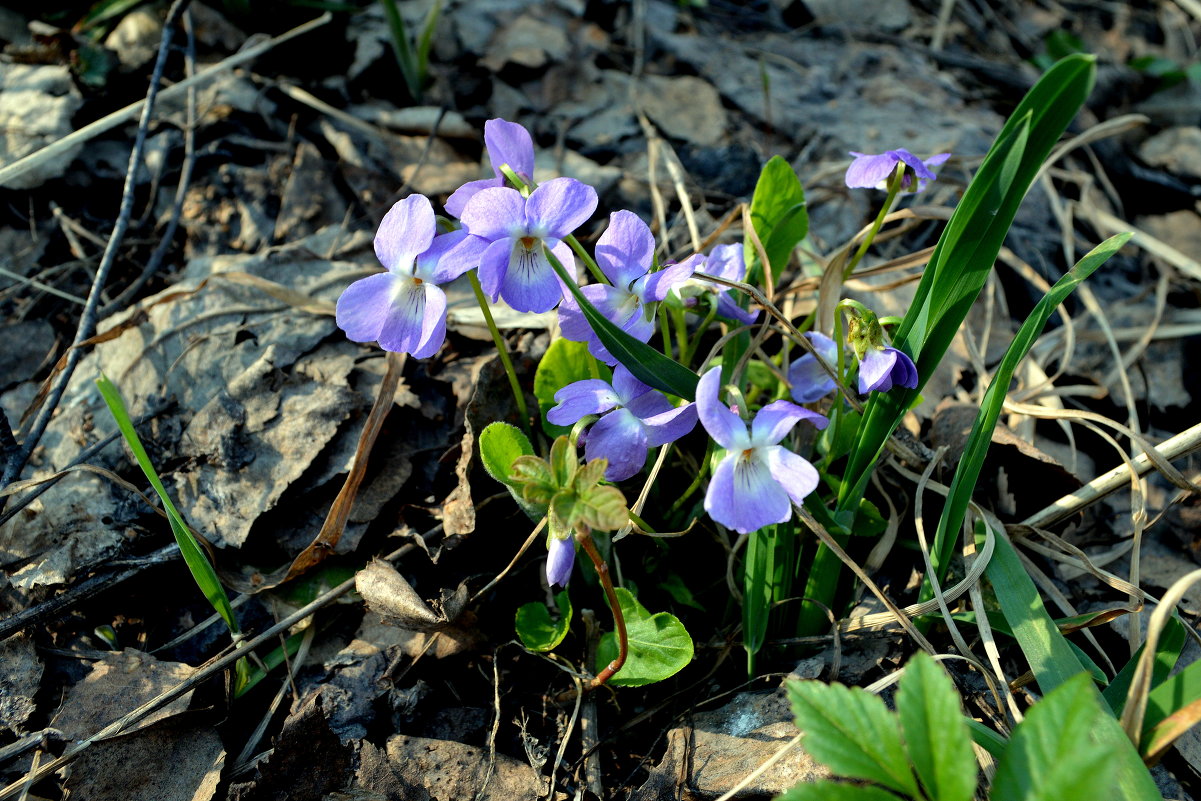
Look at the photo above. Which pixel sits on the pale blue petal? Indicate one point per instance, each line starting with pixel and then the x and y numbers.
pixel 866 172
pixel 793 473
pixel 406 230
pixel 416 321
pixel 464 256
pixel 581 398
pixel 560 557
pixel 655 286
pixel 726 261
pixel 626 249
pixel 726 307
pixel 743 496
pixel 618 437
pixel 494 213
pixel 433 265
pixel 626 385
pixel 723 424
pixel 776 419
pixel 875 370
pixel 364 305
pixel 530 285
pixel 494 265
pixel 509 143
pixel 458 199
pixel 669 425
pixel 559 206
pixel 810 381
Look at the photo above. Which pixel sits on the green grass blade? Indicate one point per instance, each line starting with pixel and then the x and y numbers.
pixel 647 364
pixel 409 68
pixel 202 571
pixel 968 471
pixel 1053 662
pixel 968 247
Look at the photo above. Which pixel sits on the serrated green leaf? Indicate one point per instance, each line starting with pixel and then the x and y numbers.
pixel 500 445
pixel 851 731
pixel 564 362
pixel 647 364
pixel 780 217
pixel 936 737
pixel 836 791
pixel 536 629
pixel 659 645
pixel 603 508
pixel 1053 754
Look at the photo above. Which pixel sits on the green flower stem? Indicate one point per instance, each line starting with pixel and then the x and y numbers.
pixel 589 262
pixel 894 188
pixel 677 318
pixel 693 487
pixel 694 343
pixel 665 334
pixel 514 384
pixel 584 538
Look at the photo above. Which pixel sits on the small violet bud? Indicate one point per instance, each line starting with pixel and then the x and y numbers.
pixel 873 171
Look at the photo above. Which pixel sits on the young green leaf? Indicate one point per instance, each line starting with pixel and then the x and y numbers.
pixel 853 733
pixel 1053 754
pixel 780 218
pixel 500 445
pixel 535 627
pixel 936 736
pixel 647 364
pixel 659 645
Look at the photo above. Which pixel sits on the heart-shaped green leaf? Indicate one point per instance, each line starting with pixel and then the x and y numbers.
pixel 535 627
pixel 659 645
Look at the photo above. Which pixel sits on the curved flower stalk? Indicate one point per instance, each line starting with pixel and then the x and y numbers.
pixel 873 171
pixel 634 419
pixel 507 234
pixel 625 253
pixel 403 309
pixel 758 480
pixel 507 143
pixel 810 381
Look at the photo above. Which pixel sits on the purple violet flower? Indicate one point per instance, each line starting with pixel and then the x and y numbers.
pixel 506 236
pixel 882 368
pixel 872 171
pixel 625 253
pixel 758 480
pixel 403 309
pixel 507 143
pixel 560 558
pixel 635 419
pixel 810 381
pixel 726 261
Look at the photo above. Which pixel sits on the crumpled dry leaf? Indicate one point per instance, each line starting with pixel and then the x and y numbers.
pixel 388 594
pixel 20 676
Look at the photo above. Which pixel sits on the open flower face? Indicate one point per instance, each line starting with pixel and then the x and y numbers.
pixel 402 309
pixel 625 253
pixel 758 480
pixel 873 171
pixel 634 419
pixel 507 234
pixel 507 143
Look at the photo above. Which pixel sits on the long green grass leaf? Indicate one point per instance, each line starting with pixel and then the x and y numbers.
pixel 202 571
pixel 968 247
pixel 970 463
